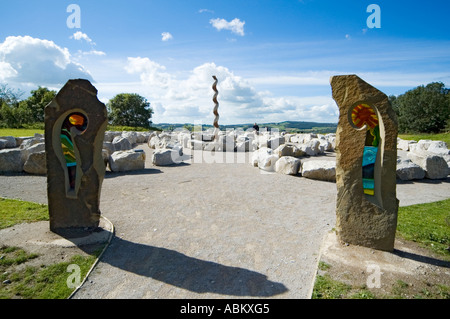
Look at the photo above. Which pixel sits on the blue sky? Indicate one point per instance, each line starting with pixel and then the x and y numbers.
pixel 273 59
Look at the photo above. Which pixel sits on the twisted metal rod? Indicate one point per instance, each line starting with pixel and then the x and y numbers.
pixel 216 108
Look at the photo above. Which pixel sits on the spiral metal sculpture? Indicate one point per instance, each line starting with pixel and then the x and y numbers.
pixel 216 108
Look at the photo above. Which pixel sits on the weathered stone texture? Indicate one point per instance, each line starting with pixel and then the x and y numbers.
pixel 78 207
pixel 369 221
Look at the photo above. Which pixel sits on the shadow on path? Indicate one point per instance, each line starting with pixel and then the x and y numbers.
pixel 423 259
pixel 189 273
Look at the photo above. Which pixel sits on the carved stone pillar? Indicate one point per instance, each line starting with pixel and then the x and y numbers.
pixel 366 159
pixel 75 124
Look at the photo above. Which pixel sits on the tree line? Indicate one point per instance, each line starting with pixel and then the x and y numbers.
pixel 424 109
pixel 125 109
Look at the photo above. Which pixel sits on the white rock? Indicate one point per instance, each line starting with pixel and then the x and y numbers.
pixel 36 163
pixel 10 141
pixel 130 160
pixel 11 160
pixel 244 146
pixel 109 147
pixel 311 148
pixel 438 147
pixel 289 150
pixel 259 154
pixel 164 157
pixel 142 137
pixel 110 135
pixel 407 170
pixel 27 143
pixel 320 170
pixel 197 145
pixel 276 141
pixel 130 136
pixel 121 144
pixel 404 144
pixel 435 166
pixel 288 165
pixel 267 163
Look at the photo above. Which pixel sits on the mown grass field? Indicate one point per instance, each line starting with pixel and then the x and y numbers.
pixel 31 282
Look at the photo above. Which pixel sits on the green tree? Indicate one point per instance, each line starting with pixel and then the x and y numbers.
pixel 10 113
pixel 128 109
pixel 36 103
pixel 425 109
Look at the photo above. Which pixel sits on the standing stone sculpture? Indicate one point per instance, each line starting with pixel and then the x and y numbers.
pixel 366 158
pixel 75 124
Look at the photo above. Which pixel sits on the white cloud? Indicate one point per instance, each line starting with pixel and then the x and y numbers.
pixel 82 36
pixel 150 72
pixel 24 59
pixel 190 99
pixel 236 26
pixel 205 10
pixel 166 36
pixel 92 52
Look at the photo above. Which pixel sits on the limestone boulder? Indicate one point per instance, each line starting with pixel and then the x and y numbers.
pixel 121 144
pixel 289 150
pixel 9 141
pixel 27 143
pixel 404 144
pixel 142 137
pixel 260 154
pixel 435 166
pixel 319 169
pixel 197 145
pixel 407 170
pixel 110 135
pixel 311 148
pixel 267 163
pixel 275 141
pixel 131 160
pixel 11 160
pixel 288 165
pixel 165 157
pixel 243 146
pixel 109 148
pixel 130 136
pixel 36 163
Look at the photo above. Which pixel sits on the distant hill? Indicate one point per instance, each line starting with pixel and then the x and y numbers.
pixel 288 126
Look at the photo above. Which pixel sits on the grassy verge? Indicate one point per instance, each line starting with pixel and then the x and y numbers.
pixel 434 137
pixel 13 212
pixel 426 224
pixel 20 132
pixel 19 280
pixel 23 132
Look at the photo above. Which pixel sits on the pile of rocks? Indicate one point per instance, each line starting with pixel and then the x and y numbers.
pixel 423 159
pixel 23 154
pixel 118 152
pixel 285 154
pixel 27 154
pixel 292 154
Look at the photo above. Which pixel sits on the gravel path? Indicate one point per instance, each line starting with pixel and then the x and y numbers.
pixel 221 230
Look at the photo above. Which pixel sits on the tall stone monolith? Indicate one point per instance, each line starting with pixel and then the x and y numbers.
pixel 366 159
pixel 75 124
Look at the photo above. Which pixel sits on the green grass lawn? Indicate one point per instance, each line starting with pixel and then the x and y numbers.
pixel 445 137
pixel 426 224
pixel 19 132
pixel 13 212
pixel 49 282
